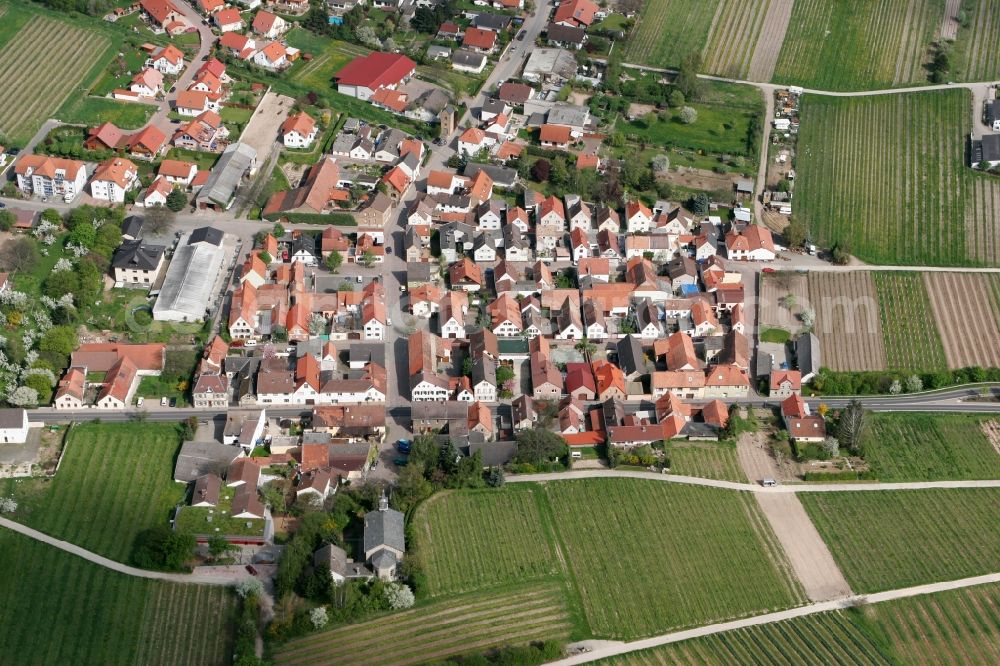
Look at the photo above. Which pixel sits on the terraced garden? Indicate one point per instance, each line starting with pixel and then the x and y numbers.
pixel 114 481
pixel 890 539
pixel 709 461
pixel 648 557
pixel 861 45
pixel 668 30
pixel 435 631
pixel 928 447
pixel 26 41
pixel 885 175
pixel 912 341
pixel 497 537
pixel 60 609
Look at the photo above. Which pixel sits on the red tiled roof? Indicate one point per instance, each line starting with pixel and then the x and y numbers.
pixel 554 134
pixel 376 70
pixel 479 38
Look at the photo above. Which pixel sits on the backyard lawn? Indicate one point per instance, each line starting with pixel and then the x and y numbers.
pixel 114 481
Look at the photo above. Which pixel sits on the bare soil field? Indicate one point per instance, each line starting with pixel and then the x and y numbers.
pixel 968 316
pixel 776 287
pixel 847 320
pixel 808 554
pixel 772 36
pixel 992 431
pixel 700 179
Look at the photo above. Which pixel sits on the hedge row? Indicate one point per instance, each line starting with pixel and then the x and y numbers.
pixel 341 219
pixel 828 382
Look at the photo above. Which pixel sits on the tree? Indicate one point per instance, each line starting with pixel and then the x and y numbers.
pixel 333 261
pixel 266 257
pixel 676 99
pixel 7 220
pixel 795 233
pixel 700 204
pixel 278 231
pixel 59 339
pixel 586 347
pixel 176 200
pixel 687 80
pixel 851 425
pixel 411 485
pixel 535 446
pixel 23 396
pixel 162 548
pixel 367 259
pixel 83 234
pixel 831 446
pixel 808 317
pixel 896 387
pixel 661 163
pixel 495 477
pixel 218 546
pixel 689 115
pixel 158 220
pixel 399 596
pixel 20 254
pixel 61 282
pixel 541 170
pixel 840 253
pixel 279 334
pixel 42 386
pixel 248 588
pixel 91 281
pixel 467 366
pixel 319 617
pixel 914 384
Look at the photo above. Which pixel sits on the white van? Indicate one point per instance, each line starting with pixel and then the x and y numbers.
pixel 768 482
pixel 575 455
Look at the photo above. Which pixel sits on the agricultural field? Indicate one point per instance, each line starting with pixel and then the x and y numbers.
pixel 26 40
pixel 966 307
pixel 975 56
pixel 911 336
pixel 437 630
pixel 114 481
pixel 954 627
pixel 889 539
pixel 710 461
pixel 886 176
pixel 862 45
pixel 61 609
pixel 497 538
pixel 928 447
pixel 824 638
pixel 648 557
pixel 733 37
pixel 847 320
pixel 946 628
pixel 779 290
pixel 668 30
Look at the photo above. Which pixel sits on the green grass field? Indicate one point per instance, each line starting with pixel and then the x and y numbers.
pixel 114 481
pixel 668 30
pixel 912 341
pixel 886 175
pixel 718 130
pixel 93 111
pixel 648 557
pixel 638 557
pixel 975 56
pixel 26 40
pixel 955 627
pixel 889 539
pixel 329 57
pixel 860 45
pixel 434 631
pixel 499 537
pixel 60 609
pixel 710 461
pixel 927 447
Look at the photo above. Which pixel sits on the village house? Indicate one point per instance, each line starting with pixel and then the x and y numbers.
pixel 44 176
pixel 113 178
pixel 298 131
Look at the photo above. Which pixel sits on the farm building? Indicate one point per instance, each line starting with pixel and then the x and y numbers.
pixel 187 289
pixel 807 356
pixel 13 426
pixel 219 190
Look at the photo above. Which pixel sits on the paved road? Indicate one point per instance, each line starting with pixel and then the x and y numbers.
pixel 750 487
pixel 228 576
pixel 606 649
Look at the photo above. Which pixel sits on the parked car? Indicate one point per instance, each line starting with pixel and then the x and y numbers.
pixel 404 445
pixel 359 279
pixel 139 401
pixel 401 462
pixel 164 402
pixel 251 569
pixel 520 35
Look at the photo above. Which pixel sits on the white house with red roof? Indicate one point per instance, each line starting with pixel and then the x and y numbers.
pixel 156 194
pixel 575 13
pixel 754 244
pixel 364 75
pixel 785 383
pixel 167 60
pixel 45 176
pixel 298 131
pixel 273 56
pixel 268 25
pixel 147 83
pixel 228 19
pixel 113 178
